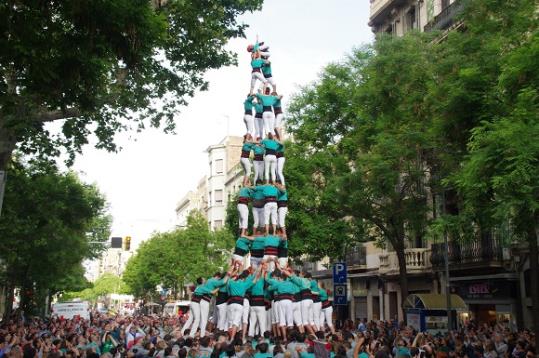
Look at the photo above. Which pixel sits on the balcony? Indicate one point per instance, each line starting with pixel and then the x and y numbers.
pixel 446 18
pixel 485 253
pixel 381 8
pixel 417 261
pixel 357 256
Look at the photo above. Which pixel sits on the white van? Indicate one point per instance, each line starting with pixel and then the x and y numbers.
pixel 69 310
pixel 172 309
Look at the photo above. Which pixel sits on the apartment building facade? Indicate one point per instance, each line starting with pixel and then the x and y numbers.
pixel 396 17
pixel 212 193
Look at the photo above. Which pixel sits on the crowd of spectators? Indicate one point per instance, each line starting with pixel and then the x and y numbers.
pixel 143 336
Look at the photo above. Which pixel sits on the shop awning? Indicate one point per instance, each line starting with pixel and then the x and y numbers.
pixel 433 301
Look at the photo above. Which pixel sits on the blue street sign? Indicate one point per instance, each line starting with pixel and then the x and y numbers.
pixel 339 273
pixel 340 296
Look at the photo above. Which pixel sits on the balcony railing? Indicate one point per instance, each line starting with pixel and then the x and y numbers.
pixel 417 260
pixel 446 18
pixel 357 256
pixel 468 252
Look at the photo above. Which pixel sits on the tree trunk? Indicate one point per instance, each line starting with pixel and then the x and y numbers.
pixel 9 301
pixel 534 275
pixel 403 277
pixel 7 145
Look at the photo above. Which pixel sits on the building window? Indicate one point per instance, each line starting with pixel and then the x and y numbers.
pixel 219 166
pixel 411 19
pixel 219 197
pixel 218 224
pixel 209 198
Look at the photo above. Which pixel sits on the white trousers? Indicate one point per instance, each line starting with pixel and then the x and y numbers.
pixel 255 262
pixel 270 166
pixel 245 312
pixel 269 122
pixel 281 214
pixel 243 213
pixel 258 217
pixel 286 313
pixel 246 165
pixel 271 264
pixel 307 312
pixel 204 313
pixel 221 317
pixel 257 318
pixel 326 316
pixel 280 169
pixel 270 213
pixel 275 312
pixel 317 308
pixel 249 121
pixel 271 81
pixel 297 313
pixel 269 317
pixel 194 319
pixel 279 118
pixel 259 127
pixel 257 76
pixel 234 314
pixel 259 170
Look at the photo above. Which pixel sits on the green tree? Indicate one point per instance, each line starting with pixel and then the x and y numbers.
pixel 48 229
pixel 104 67
pixel 357 169
pixel 173 259
pixel 498 177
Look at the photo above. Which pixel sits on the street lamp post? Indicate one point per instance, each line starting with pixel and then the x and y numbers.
pixel 446 263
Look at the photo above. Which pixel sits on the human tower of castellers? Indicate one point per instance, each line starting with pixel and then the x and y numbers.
pixel 260 294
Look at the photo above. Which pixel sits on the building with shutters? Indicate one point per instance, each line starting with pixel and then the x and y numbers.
pixel 216 188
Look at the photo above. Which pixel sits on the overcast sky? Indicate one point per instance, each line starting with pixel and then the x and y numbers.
pixel 153 172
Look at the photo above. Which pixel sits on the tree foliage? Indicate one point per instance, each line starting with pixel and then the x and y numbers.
pixel 175 258
pixel 105 284
pixel 105 66
pixel 51 223
pixel 414 136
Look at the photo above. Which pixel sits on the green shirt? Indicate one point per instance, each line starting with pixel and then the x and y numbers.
pixel 258 149
pixel 243 243
pixel 282 287
pixel 302 282
pixel 306 355
pixel 257 289
pixel 314 286
pixel 248 103
pixel 266 69
pixel 272 241
pixel 258 193
pixel 257 63
pixel 270 144
pixel 258 243
pixel 245 193
pixel 277 103
pixel 267 100
pixel 247 146
pixel 259 108
pixel 210 285
pixel 270 191
pixel 323 295
pixel 283 195
pixel 239 287
pixel 280 148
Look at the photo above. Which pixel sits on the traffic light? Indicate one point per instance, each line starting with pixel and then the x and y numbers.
pixel 116 242
pixel 127 243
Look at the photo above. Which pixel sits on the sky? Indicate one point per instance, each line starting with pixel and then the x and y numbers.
pixel 144 182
